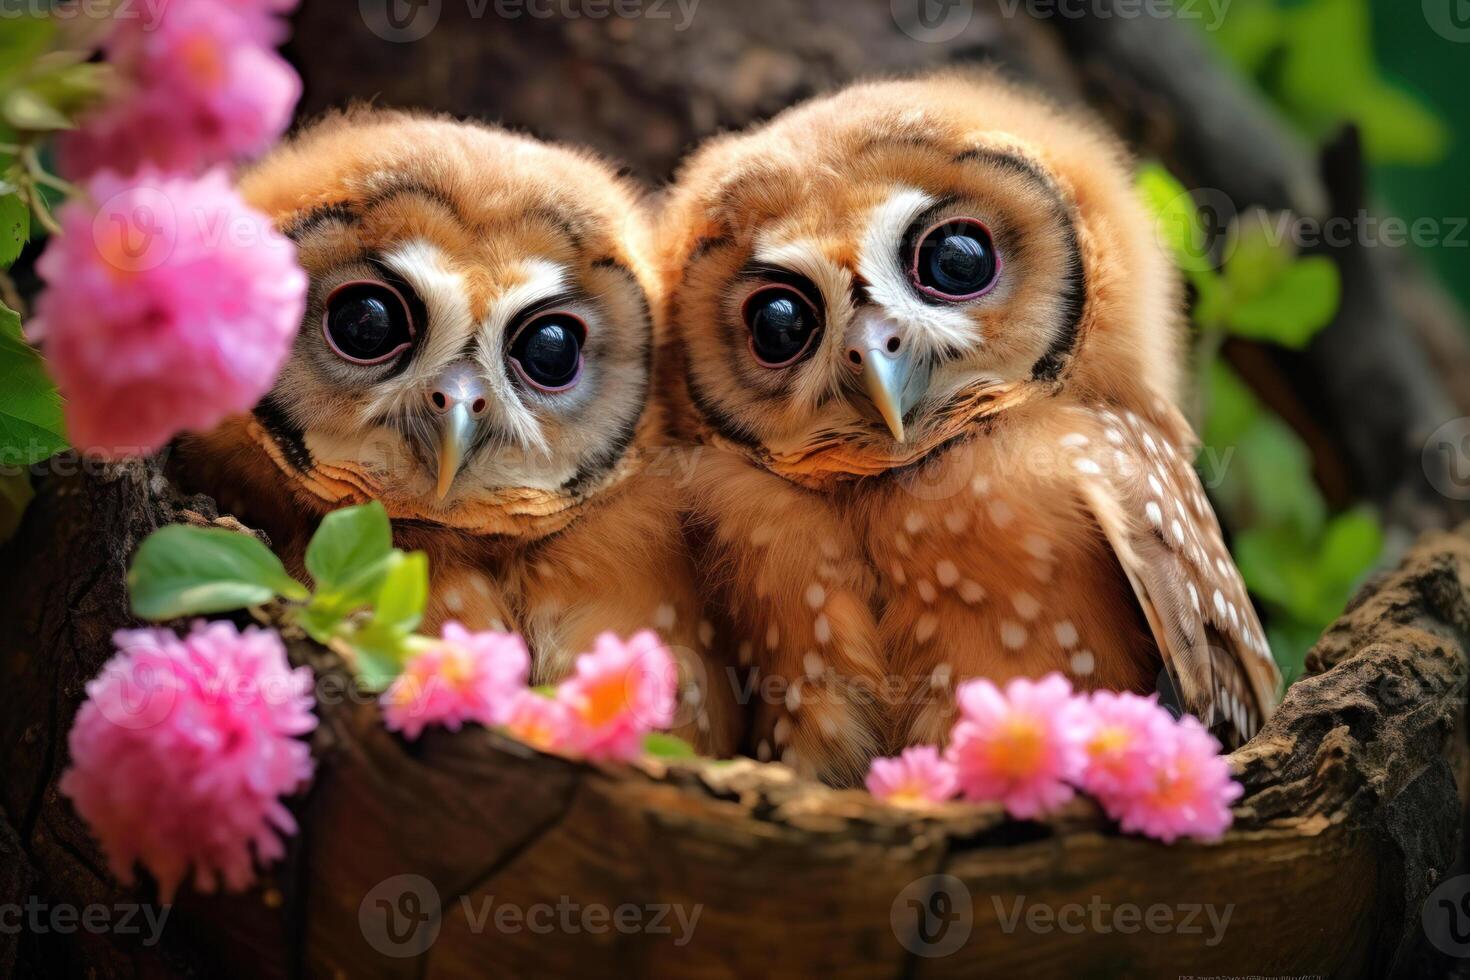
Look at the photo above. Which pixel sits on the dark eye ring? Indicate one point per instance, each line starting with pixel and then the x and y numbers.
pixel 546 351
pixel 795 301
pixel 968 249
pixel 389 301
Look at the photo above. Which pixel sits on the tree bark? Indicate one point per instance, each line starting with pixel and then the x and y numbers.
pixel 1353 813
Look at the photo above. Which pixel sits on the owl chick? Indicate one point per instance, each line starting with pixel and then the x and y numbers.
pixel 933 349
pixel 476 355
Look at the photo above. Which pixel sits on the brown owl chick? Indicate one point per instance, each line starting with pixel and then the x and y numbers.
pixel 933 348
pixel 476 355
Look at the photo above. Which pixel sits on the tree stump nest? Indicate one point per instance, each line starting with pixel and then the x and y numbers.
pixel 467 853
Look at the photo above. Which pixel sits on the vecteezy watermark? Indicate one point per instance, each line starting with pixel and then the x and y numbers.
pixel 932 916
pixel 1446 459
pixel 406 21
pixel 1211 13
pixel 1100 918
pixel 401 917
pixel 932 21
pixel 38 917
pixel 1450 19
pixel 150 12
pixel 935 915
pixel 570 918
pixel 1446 916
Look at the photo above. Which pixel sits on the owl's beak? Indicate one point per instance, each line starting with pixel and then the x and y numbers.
pixel 891 376
pixel 456 429
pixel 458 401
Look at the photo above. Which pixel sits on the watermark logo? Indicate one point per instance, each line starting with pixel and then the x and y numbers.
pixel 1446 459
pixel 136 230
pixel 932 21
pixel 401 21
pixel 1450 19
pixel 933 916
pixel 400 917
pixel 1446 916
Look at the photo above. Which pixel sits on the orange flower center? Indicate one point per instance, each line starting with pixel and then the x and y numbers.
pixel 1018 752
pixel 203 60
pixel 534 730
pixel 604 701
pixel 1108 742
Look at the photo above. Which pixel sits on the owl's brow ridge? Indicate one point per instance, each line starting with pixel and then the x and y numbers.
pixel 1074 294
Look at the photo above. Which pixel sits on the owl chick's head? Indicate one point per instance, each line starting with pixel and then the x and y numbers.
pixel 477 339
pixel 872 274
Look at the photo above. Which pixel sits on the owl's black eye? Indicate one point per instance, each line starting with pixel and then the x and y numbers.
pixel 782 324
pixel 956 260
pixel 367 322
pixel 547 351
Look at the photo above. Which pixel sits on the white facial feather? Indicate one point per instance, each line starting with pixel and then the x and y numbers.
pixel 932 327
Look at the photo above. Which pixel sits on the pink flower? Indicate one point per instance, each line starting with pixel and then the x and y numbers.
pixel 171 305
pixel 541 722
pixel 1123 733
pixel 183 749
pixel 198 87
pixel 916 776
pixel 1022 747
pixel 620 692
pixel 1188 790
pixel 464 677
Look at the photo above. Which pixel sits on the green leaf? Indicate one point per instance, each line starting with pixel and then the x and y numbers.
pixel 380 654
pixel 15 229
pixel 1328 75
pixel 666 746
pixel 1250 34
pixel 1294 307
pixel 348 542
pixel 15 496
pixel 404 594
pixel 30 409
pixel 27 109
pixel 22 42
pixel 1398 128
pixel 1177 221
pixel 1260 251
pixel 66 86
pixel 182 570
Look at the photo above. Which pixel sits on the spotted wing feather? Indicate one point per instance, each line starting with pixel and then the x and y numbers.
pixel 1151 506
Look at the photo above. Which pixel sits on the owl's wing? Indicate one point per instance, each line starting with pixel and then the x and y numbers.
pixel 1141 487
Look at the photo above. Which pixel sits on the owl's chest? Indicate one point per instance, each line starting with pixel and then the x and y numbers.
pixel 985 569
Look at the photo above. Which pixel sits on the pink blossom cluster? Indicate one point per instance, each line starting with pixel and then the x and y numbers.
pixel 170 302
pixel 199 84
pixel 183 749
pixel 619 692
pixel 1033 744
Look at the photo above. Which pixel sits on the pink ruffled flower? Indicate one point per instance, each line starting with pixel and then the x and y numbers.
pixel 183 749
pixel 1022 747
pixel 918 775
pixel 200 86
pixel 171 305
pixel 621 692
pixel 1188 791
pixel 1123 733
pixel 542 722
pixel 463 677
